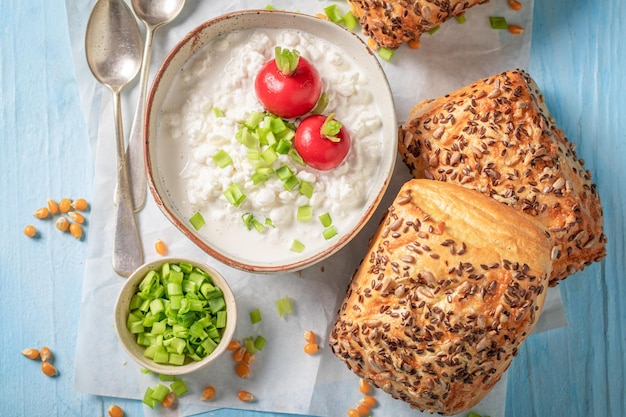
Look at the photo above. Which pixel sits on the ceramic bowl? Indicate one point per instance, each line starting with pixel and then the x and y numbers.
pixel 167 157
pixel 128 340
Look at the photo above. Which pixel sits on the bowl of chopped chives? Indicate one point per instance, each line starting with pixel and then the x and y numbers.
pixel 175 316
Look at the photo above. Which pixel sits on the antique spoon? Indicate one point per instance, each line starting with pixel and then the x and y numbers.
pixel 154 14
pixel 113 48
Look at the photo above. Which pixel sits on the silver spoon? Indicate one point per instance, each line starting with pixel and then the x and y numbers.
pixel 154 14
pixel 113 47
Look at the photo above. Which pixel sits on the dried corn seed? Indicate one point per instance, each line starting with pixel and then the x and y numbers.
pixel 364 386
pixel 414 44
pixel 242 370
pixel 245 396
pixel 238 354
pixel 42 213
pixel 353 412
pixel 160 247
pixel 80 204
pixel 45 353
pixel 233 345
pixel 115 411
pixel 309 336
pixel 515 5
pixel 207 393
pixel 65 204
pixel 48 369
pixel 363 409
pixel 62 223
pixel 30 230
pixel 372 44
pixel 77 217
pixel 76 230
pixel 516 30
pixel 169 399
pixel 321 16
pixel 31 353
pixel 369 401
pixel 248 358
pixel 53 207
pixel 311 348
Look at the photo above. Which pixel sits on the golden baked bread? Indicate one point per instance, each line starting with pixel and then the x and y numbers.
pixel 452 284
pixel 392 22
pixel 497 136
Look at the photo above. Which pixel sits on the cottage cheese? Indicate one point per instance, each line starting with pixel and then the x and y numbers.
pixel 222 76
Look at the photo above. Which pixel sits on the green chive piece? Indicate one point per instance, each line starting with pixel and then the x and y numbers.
pixel 460 18
pixel 333 14
pixel 269 222
pixel 197 221
pixel 258 225
pixel 325 219
pixel 292 183
pixel 329 232
pixel 304 213
pixel 283 305
pixel 217 112
pixel 179 387
pixel 147 398
pixel 247 220
pixel 254 119
pixel 350 21
pixel 433 30
pixel 284 173
pixel 306 189
pixel 498 22
pixel 222 159
pixel 259 342
pixel 270 7
pixel 385 53
pixel 248 343
pixel 234 195
pixel 297 246
pixel 295 156
pixel 283 146
pixel 269 156
pixel 159 392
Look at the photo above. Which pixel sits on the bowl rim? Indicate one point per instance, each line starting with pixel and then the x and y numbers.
pixel 135 351
pixel 192 40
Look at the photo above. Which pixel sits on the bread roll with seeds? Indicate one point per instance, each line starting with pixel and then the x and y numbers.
pixel 497 136
pixel 391 23
pixel 452 284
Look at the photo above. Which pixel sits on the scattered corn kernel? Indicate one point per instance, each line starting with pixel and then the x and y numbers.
pixel 369 401
pixel 414 44
pixel 248 358
pixel 242 370
pixel 364 386
pixel 234 345
pixel 363 409
pixel 80 204
pixel 353 412
pixel 516 30
pixel 321 16
pixel 372 44
pixel 115 411
pixel 311 348
pixel 238 354
pixel 77 217
pixel 45 353
pixel 62 223
pixel 515 5
pixel 208 392
pixel 309 336
pixel 48 369
pixel 169 400
pixel 42 213
pixel 160 247
pixel 30 230
pixel 53 207
pixel 76 230
pixel 245 396
pixel 31 353
pixel 65 204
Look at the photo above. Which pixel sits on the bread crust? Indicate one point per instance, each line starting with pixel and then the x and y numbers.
pixel 497 136
pixel 390 23
pixel 452 284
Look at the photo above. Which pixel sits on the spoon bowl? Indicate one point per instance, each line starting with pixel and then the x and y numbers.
pixel 113 50
pixel 154 14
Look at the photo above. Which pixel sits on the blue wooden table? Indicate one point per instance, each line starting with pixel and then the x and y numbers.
pixel 577 58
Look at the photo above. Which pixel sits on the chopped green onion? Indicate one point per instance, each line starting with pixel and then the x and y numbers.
pixel 270 7
pixel 178 387
pixel 304 213
pixel 306 189
pixel 218 112
pixel 197 221
pixel 247 220
pixel 295 156
pixel 292 183
pixel 325 219
pixel 147 398
pixel 269 156
pixel 259 342
pixel 234 195
pixel 297 246
pixel 248 343
pixel 269 222
pixel 255 316
pixel 283 305
pixel 460 18
pixel 145 371
pixel 284 173
pixel 333 13
pixel 258 177
pixel 329 232
pixel 385 53
pixel 222 159
pixel 498 22
pixel 321 104
pixel 258 225
pixel 350 21
pixel 283 146
pixel 432 31
pixel 159 392
pixel 254 119
pixel 163 377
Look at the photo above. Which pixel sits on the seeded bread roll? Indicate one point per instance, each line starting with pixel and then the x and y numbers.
pixel 452 284
pixel 497 136
pixel 391 23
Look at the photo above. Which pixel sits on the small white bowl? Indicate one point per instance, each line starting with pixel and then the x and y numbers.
pixel 129 340
pixel 165 159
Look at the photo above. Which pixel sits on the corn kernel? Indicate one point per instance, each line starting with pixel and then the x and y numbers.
pixel 169 400
pixel 233 345
pixel 311 348
pixel 248 358
pixel 76 230
pixel 364 386
pixel 515 5
pixel 48 369
pixel 242 370
pixel 245 396
pixel 516 30
pixel 207 393
pixel 160 247
pixel 115 411
pixel 369 401
pixel 77 217
pixel 80 204
pixel 65 204
pixel 309 336
pixel 62 223
pixel 42 213
pixel 353 412
pixel 31 353
pixel 363 409
pixel 30 230
pixel 372 44
pixel 53 207
pixel 45 353
pixel 238 354
pixel 414 44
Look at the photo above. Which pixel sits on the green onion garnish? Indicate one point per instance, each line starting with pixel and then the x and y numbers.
pixel 295 156
pixel 283 146
pixel 218 112
pixel 247 220
pixel 179 387
pixel 304 213
pixel 255 316
pixel 498 22
pixel 460 18
pixel 283 305
pixel 291 183
pixel 329 232
pixel 325 219
pixel 284 173
pixel 350 21
pixel 306 189
pixel 197 221
pixel 297 246
pixel 147 398
pixel 234 195
pixel 259 342
pixel 222 159
pixel 159 392
pixel 333 13
pixel 269 156
pixel 433 30
pixel 385 53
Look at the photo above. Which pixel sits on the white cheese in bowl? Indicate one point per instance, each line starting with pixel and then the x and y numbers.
pixel 221 76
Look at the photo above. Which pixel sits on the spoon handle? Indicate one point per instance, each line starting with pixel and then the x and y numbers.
pixel 135 152
pixel 127 248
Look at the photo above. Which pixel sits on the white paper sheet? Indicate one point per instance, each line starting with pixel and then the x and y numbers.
pixel 283 379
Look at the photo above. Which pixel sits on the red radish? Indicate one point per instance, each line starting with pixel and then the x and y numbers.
pixel 322 142
pixel 288 86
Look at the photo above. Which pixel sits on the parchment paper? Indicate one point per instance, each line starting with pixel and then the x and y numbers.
pixel 283 378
